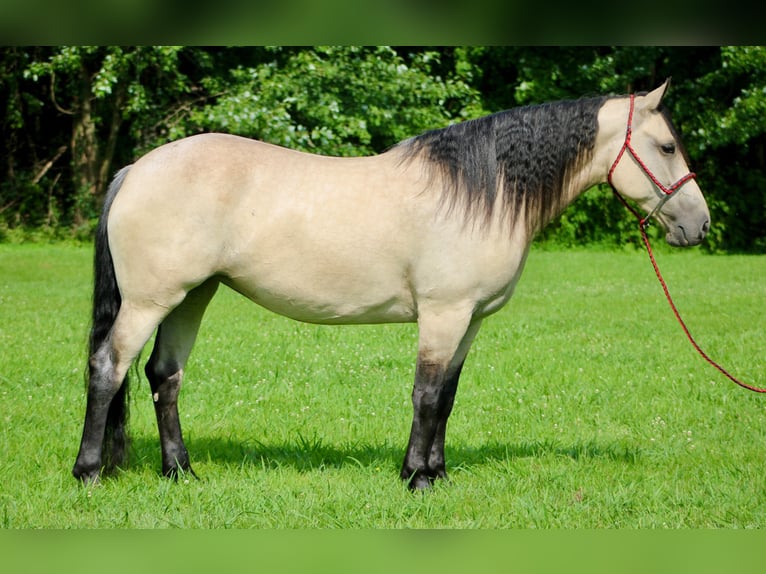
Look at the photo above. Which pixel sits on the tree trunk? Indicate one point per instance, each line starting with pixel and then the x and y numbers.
pixel 85 153
pixel 105 167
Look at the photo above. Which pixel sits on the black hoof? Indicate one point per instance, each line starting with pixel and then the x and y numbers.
pixel 87 477
pixel 439 474
pixel 176 472
pixel 417 480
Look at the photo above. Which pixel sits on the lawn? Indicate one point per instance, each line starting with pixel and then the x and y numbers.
pixel 581 405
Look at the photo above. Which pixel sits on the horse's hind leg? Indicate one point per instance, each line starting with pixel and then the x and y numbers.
pixel 173 344
pixel 108 367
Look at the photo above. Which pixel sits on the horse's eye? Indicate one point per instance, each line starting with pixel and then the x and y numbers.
pixel 669 148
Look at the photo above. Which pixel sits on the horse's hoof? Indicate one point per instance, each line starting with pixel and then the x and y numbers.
pixel 177 473
pixel 87 477
pixel 418 481
pixel 439 474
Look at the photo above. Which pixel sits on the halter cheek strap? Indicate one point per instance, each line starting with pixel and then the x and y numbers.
pixel 667 191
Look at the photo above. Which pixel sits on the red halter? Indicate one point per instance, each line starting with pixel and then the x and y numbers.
pixel 643 222
pixel 667 191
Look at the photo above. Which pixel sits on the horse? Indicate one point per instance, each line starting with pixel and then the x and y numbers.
pixel 434 231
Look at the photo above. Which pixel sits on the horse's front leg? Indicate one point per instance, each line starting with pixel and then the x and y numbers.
pixel 436 461
pixel 443 345
pixel 428 395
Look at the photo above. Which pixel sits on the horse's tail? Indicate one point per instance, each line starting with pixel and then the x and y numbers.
pixel 106 305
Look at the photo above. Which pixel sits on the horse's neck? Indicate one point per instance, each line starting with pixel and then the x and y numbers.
pixel 612 121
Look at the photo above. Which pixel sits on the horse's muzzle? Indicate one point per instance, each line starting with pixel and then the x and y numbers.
pixel 687 235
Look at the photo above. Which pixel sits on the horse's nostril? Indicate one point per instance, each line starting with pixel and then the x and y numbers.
pixel 706 226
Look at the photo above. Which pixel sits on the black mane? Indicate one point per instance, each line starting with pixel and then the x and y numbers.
pixel 524 153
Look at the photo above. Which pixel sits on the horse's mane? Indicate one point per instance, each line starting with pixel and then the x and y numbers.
pixel 526 154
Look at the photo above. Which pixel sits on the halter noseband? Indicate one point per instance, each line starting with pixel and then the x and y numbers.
pixel 667 191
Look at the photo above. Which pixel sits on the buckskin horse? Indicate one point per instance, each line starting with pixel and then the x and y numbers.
pixel 435 230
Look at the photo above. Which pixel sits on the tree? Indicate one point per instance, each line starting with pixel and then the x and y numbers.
pixel 28 157
pixel 99 89
pixel 337 100
pixel 726 136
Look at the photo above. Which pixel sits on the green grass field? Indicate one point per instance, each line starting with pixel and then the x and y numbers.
pixel 581 405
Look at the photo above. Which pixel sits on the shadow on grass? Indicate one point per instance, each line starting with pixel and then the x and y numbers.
pixel 308 454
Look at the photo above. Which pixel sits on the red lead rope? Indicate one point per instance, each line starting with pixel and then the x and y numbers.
pixel 643 222
pixel 703 354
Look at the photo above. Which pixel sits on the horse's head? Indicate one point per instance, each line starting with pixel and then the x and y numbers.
pixel 651 169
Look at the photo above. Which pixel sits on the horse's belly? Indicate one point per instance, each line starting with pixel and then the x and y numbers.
pixel 334 262
pixel 319 298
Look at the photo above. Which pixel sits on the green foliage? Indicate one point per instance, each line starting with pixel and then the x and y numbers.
pixel 66 122
pixel 726 134
pixel 104 106
pixel 736 115
pixel 135 70
pixel 337 100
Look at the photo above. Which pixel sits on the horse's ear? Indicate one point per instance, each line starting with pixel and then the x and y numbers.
pixel 653 99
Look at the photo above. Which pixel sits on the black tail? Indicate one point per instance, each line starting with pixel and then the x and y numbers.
pixel 106 305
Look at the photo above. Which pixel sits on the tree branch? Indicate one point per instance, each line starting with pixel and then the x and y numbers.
pixel 49 164
pixel 185 107
pixel 111 140
pixel 53 96
pixel 9 205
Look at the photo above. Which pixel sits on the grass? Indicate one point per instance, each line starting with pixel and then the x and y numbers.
pixel 581 405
